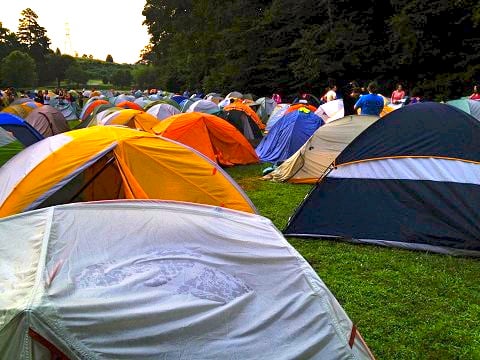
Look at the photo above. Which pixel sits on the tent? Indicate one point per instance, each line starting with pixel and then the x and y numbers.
pixel 163 111
pixel 288 135
pixel 68 109
pixel 178 98
pixel 160 280
pixel 142 102
pixel 245 120
pixel 276 115
pixel 163 101
pixel 331 110
pixel 19 110
pixel 9 146
pixel 265 108
pixel 121 98
pixel 210 135
pixel 20 129
pixel 313 159
pixel 47 121
pixel 90 107
pixel 135 119
pixel 411 180
pixel 204 106
pixel 129 105
pixel 471 107
pixel 109 162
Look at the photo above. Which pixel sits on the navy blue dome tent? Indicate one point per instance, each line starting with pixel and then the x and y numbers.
pixel 23 131
pixel 411 180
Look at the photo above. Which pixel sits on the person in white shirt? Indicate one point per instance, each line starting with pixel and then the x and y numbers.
pixel 331 94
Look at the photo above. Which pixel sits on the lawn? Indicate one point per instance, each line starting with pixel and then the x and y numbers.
pixel 407 305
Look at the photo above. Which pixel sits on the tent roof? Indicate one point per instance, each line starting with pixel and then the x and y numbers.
pixel 22 130
pixel 424 129
pixel 48 121
pixel 311 161
pixel 76 165
pixel 151 280
pixel 212 136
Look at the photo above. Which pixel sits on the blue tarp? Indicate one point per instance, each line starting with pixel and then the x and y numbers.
pixel 288 135
pixel 23 131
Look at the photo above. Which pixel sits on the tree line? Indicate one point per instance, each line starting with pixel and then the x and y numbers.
pixel 303 45
pixel 26 60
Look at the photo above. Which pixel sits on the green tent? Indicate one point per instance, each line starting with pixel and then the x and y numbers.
pixel 9 146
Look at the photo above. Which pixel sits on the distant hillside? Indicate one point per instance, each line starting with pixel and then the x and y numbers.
pixel 98 69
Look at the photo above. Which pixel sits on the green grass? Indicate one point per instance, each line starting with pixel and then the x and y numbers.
pixel 407 304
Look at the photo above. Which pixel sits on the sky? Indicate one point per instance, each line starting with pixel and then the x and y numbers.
pixel 96 28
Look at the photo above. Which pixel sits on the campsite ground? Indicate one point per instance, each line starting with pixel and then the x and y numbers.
pixel 407 305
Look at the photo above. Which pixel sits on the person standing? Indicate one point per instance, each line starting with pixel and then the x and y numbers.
pixel 397 95
pixel 370 104
pixel 476 93
pixel 331 94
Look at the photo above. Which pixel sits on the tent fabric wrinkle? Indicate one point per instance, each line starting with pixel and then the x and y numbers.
pixel 206 283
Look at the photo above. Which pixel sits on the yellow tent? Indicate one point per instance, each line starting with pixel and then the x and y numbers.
pixel 108 162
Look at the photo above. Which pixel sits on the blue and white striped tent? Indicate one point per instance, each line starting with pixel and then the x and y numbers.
pixel 410 180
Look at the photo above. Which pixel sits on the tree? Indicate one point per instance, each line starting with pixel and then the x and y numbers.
pixel 18 70
pixel 109 58
pixel 56 65
pixel 31 35
pixel 33 39
pixel 122 78
pixel 76 74
pixel 8 42
pixel 146 76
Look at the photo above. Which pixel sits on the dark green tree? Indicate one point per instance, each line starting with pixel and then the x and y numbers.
pixel 122 78
pixel 76 74
pixel 18 70
pixel 8 42
pixel 146 76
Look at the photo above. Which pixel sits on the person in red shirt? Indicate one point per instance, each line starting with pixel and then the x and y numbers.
pixel 476 93
pixel 397 95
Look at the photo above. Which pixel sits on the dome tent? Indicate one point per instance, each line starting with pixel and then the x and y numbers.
pixel 9 146
pixel 411 180
pixel 314 158
pixel 48 121
pixel 22 130
pixel 109 162
pixel 288 135
pixel 103 280
pixel 212 136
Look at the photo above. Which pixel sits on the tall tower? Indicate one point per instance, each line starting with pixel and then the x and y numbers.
pixel 68 41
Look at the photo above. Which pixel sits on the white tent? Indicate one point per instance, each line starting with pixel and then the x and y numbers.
pixel 163 111
pixel 314 158
pixel 331 110
pixel 162 280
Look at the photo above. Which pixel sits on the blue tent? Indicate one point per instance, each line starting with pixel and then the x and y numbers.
pixel 23 131
pixel 410 180
pixel 288 135
pixel 178 98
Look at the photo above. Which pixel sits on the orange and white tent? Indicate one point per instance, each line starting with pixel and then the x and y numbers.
pixel 212 136
pixel 109 162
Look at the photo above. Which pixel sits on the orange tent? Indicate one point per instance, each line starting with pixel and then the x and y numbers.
pixel 298 106
pixel 90 107
pixel 129 105
pixel 247 110
pixel 210 135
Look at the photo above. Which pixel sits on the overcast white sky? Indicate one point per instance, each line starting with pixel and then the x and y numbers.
pixel 98 28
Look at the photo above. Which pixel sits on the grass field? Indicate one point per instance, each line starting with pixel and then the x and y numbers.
pixel 407 305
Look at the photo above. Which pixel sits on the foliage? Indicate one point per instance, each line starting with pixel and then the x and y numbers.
pixel 76 74
pixel 406 304
pixel 18 70
pixel 146 76
pixel 109 59
pixel 8 42
pixel 33 39
pixel 302 45
pixel 122 78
